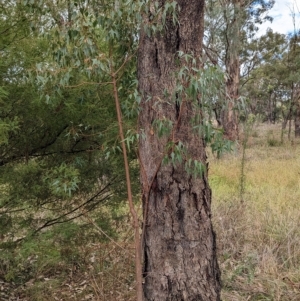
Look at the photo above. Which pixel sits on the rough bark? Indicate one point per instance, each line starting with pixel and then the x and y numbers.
pixel 229 114
pixel 179 250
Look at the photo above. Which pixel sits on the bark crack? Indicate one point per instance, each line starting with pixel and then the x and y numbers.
pixel 177 39
pixel 177 105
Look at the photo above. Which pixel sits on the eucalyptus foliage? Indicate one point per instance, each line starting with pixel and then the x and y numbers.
pixel 60 154
pixel 57 119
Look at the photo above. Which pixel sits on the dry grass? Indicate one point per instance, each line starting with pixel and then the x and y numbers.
pixel 259 239
pixel 105 272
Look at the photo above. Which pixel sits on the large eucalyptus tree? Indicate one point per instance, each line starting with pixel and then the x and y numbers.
pixel 179 251
pixel 93 45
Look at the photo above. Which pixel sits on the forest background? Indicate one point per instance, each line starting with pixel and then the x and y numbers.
pixel 65 228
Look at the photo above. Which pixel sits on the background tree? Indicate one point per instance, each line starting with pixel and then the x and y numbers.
pixel 263 59
pixel 272 84
pixel 233 23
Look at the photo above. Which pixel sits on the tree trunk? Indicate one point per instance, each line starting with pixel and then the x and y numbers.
pixel 297 117
pixel 232 63
pixel 179 250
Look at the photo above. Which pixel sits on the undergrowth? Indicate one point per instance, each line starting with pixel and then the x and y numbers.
pixel 258 239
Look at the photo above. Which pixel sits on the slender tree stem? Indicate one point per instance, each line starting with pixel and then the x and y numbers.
pixel 137 241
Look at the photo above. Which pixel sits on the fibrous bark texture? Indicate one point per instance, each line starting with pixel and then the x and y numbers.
pixel 179 251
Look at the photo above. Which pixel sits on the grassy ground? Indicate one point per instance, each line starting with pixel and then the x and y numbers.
pixel 258 233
